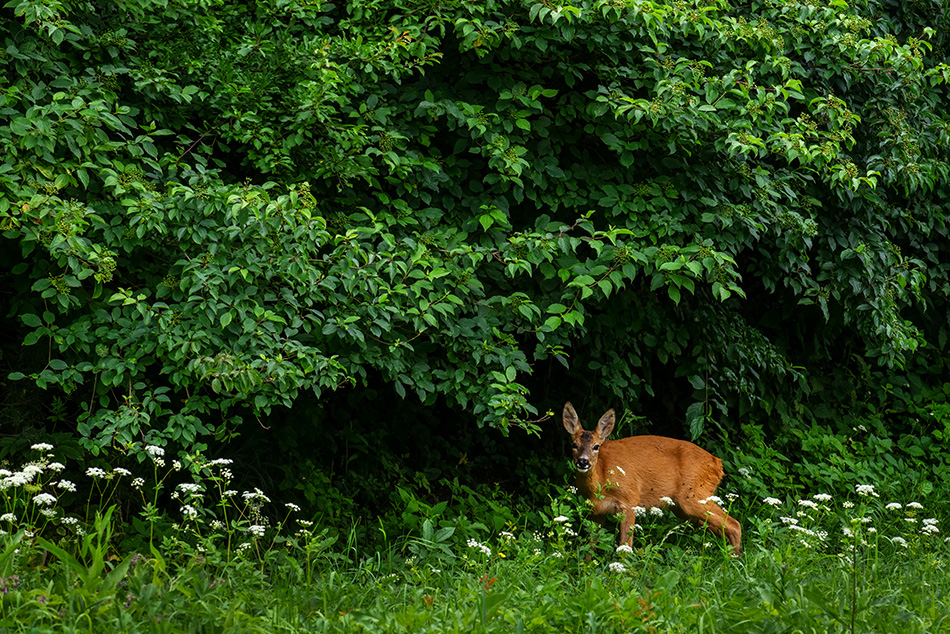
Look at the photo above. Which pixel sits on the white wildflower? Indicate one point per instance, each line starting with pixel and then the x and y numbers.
pixel 807 504
pixel 220 461
pixel 56 466
pixel 66 485
pixel 506 535
pixel 744 472
pixel 656 511
pixel 472 543
pixel 257 530
pixel 138 483
pixel 616 566
pixel 900 541
pixel 42 446
pixel 121 472
pixel 865 489
pixel 715 499
pixel 44 499
pixel 848 504
pixel 189 511
pixel 624 549
pixel 256 495
pixel 821 497
pixel 914 505
pixel 893 506
pixel 8 517
pixel 189 487
pixel 789 520
pixel 561 518
pixel 176 465
pixel 773 501
pixel 292 506
pixel 639 511
pixel 667 500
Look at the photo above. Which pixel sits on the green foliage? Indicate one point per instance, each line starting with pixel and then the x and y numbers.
pixel 723 209
pixel 845 563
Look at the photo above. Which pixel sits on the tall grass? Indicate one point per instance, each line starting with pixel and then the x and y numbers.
pixel 854 563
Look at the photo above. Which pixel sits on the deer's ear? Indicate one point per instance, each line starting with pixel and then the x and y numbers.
pixel 571 424
pixel 606 424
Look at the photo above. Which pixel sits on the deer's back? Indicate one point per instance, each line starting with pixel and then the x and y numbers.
pixel 655 466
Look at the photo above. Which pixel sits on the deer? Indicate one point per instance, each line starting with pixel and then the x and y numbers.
pixel 617 476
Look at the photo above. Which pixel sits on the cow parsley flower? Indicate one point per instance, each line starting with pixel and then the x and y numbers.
pixel 773 501
pixel 66 485
pixel 257 530
pixel 624 549
pixel 44 499
pixel 667 500
pixel 865 489
pixel 472 543
pixel 95 472
pixel 656 511
pixel 616 566
pixel 893 506
pixel 821 497
pixel 42 446
pixel 914 505
pixel 121 472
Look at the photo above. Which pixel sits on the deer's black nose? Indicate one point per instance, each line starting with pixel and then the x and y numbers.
pixel 583 464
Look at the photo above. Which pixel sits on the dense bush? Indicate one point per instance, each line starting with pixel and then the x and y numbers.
pixel 701 211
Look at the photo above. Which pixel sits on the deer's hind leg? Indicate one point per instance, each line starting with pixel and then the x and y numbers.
pixel 708 514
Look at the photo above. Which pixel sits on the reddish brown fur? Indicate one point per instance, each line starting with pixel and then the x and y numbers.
pixel 639 470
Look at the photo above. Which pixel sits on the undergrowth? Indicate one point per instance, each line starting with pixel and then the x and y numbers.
pixel 211 559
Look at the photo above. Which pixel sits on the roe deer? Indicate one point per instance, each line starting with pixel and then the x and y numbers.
pixel 639 471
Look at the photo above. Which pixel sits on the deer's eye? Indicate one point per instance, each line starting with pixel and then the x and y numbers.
pixel 596 447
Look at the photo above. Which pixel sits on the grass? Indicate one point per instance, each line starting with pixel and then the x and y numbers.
pixel 858 564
